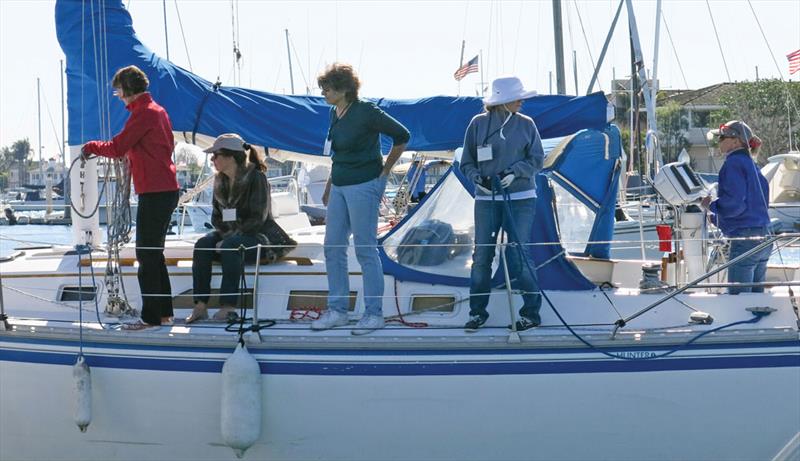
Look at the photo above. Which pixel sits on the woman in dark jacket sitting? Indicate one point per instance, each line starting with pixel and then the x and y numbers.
pixel 241 217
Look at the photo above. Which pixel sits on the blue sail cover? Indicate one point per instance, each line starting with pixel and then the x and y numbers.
pixel 586 165
pixel 98 38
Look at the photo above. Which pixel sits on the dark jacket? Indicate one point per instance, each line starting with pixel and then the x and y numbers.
pixel 249 194
pixel 743 195
pixel 356 146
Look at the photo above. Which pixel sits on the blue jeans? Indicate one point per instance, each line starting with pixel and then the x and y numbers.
pixel 204 254
pixel 490 216
pixel 754 267
pixel 354 210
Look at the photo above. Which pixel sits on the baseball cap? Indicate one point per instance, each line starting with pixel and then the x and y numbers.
pixel 230 141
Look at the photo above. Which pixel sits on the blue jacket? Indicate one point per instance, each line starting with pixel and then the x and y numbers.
pixel 743 195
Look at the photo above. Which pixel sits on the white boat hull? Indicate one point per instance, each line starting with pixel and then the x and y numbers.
pixel 402 392
pixel 164 403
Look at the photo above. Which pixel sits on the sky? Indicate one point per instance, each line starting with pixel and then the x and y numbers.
pixel 403 48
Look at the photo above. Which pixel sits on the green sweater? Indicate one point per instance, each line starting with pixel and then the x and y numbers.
pixel 355 142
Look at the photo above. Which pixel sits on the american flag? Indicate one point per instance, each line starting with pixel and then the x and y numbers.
pixel 794 62
pixel 468 68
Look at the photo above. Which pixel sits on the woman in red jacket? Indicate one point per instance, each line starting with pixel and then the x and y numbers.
pixel 147 142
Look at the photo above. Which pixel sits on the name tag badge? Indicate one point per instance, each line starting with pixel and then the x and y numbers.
pixel 484 153
pixel 326 151
pixel 229 214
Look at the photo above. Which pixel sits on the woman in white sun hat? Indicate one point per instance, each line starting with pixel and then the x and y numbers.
pixel 502 155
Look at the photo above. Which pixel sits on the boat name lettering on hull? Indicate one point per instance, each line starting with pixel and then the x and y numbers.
pixel 637 354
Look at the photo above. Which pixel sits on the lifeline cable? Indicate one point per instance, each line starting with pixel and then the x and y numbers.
pixel 513 234
pixel 232 324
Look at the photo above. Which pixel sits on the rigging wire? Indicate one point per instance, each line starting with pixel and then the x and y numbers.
pixel 489 45
pixel 719 43
pixel 586 41
pixel 237 53
pixel 685 82
pixel 789 99
pixel 183 36
pixel 516 42
pixel 299 65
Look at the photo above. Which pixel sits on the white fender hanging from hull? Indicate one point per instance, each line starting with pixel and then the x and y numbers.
pixel 241 401
pixel 82 381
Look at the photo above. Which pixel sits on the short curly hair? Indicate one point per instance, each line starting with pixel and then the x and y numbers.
pixel 341 77
pixel 130 80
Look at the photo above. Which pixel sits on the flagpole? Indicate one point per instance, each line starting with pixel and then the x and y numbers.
pixel 481 67
pixel 461 63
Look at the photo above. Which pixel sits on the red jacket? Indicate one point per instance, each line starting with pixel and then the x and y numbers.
pixel 148 142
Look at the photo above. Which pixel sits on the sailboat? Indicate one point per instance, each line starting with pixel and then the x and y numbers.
pixel 616 371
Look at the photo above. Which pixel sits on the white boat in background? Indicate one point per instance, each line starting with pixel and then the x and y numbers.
pixel 783 173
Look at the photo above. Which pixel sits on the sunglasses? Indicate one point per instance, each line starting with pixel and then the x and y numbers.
pixel 217 155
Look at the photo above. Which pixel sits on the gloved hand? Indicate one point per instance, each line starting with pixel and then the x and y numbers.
pixel 507 180
pixel 479 187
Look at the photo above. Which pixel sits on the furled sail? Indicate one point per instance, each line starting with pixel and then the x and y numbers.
pixel 97 37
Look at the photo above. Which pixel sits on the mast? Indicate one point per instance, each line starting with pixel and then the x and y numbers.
pixel 638 67
pixel 63 135
pixel 461 62
pixel 655 51
pixel 559 43
pixel 603 52
pixel 575 69
pixel 289 53
pixel 39 115
pixel 65 176
pixel 166 32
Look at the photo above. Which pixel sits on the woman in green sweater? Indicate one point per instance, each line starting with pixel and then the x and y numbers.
pixel 356 185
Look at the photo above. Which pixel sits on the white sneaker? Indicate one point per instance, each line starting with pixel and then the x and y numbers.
pixel 330 319
pixel 368 324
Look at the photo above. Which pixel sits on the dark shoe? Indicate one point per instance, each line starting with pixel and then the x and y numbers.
pixel 474 322
pixel 525 323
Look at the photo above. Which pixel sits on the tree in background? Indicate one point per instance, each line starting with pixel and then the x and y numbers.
pixel 672 126
pixel 186 155
pixel 766 106
pixel 16 153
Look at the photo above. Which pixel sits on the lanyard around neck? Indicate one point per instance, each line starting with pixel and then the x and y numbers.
pixel 500 129
pixel 337 118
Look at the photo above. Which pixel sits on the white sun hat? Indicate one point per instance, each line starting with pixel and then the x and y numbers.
pixel 505 90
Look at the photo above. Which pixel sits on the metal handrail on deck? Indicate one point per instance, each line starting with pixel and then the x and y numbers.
pixel 793 237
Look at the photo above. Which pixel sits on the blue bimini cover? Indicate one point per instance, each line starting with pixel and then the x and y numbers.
pixel 576 197
pixel 98 38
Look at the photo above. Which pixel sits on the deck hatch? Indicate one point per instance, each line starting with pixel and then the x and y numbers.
pixel 77 293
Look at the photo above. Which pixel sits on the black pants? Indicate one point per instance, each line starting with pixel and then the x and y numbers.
pixel 152 222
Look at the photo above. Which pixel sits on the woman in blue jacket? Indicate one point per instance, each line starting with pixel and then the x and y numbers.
pixel 740 210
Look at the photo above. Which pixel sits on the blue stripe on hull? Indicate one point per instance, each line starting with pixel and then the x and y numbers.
pixel 418 368
pixel 369 350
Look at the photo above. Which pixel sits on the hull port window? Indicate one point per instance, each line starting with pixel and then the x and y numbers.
pixel 300 300
pixel 433 303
